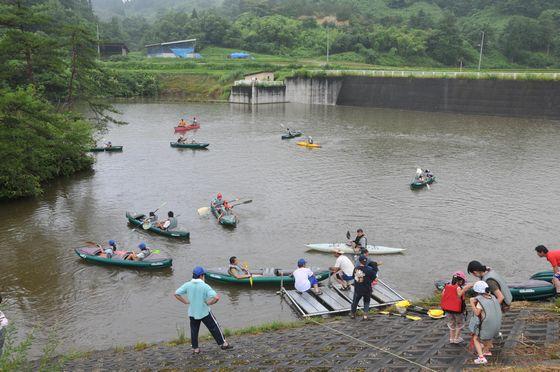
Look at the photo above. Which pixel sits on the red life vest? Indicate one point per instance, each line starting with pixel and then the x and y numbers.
pixel 449 299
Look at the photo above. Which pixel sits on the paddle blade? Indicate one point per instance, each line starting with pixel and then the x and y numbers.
pixel 93 243
pixel 251 281
pixel 146 225
pixel 204 211
pixel 348 236
pixel 156 251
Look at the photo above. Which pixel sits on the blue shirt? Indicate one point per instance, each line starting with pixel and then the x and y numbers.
pixel 197 293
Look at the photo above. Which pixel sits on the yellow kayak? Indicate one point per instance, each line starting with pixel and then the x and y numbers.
pixel 305 144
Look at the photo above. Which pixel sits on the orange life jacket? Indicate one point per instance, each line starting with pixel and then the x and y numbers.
pixel 449 299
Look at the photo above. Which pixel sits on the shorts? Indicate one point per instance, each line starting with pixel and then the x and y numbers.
pixel 142 255
pixel 455 320
pixel 557 276
pixel 313 280
pixel 345 277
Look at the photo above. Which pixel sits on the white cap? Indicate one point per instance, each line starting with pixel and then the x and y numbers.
pixel 480 286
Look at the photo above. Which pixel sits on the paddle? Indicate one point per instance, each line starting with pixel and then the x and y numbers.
pixel 246 267
pixel 94 243
pixel 203 211
pixel 411 317
pixel 146 224
pixel 240 202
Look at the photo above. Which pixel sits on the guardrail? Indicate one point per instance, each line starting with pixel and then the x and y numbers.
pixel 441 74
pixel 259 83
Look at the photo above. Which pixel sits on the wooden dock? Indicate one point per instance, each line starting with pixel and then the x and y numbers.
pixel 335 301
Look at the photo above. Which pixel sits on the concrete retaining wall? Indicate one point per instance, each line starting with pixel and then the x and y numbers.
pixel 256 95
pixel 317 91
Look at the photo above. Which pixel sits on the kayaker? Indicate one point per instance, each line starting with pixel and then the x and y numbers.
pixel 182 123
pixel 343 269
pixel 110 251
pixel 554 258
pixel 453 303
pixel 218 201
pixel 498 286
pixel 310 140
pixel 363 275
pixel 486 321
pixel 108 145
pixel 199 296
pixel 170 223
pixel 181 139
pixel 359 242
pixel 289 131
pixel 236 270
pixel 152 217
pixel 305 279
pixel 140 256
pixel 428 173
pixel 194 121
pixel 3 324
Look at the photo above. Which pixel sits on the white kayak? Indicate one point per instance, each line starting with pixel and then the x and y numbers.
pixel 372 249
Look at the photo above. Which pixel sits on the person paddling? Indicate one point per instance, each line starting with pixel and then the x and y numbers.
pixel 170 223
pixel 140 256
pixel 359 242
pixel 236 270
pixel 310 140
pixel 182 123
pixel 498 286
pixel 554 258
pixel 181 139
pixel 110 251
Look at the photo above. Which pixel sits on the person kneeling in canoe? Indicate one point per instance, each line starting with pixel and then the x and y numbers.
pixel 182 123
pixel 236 270
pixel 343 269
pixel 140 256
pixel 305 279
pixel 169 224
pixel 554 258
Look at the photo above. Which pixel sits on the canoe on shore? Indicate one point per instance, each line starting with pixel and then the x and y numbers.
pixel 372 249
pixel 228 219
pixel 108 149
pixel 137 219
pixel 153 261
pixel 543 275
pixel 187 128
pixel 310 145
pixel 416 184
pixel 532 290
pixel 292 135
pixel 262 276
pixel 191 145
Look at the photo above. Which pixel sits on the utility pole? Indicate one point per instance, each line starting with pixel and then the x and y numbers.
pixel 327 44
pixel 98 48
pixel 481 46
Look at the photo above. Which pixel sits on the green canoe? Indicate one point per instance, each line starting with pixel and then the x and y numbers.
pixel 138 219
pixel 292 135
pixel 108 149
pixel 261 276
pixel 228 219
pixel 543 275
pixel 532 290
pixel 189 145
pixel 153 261
pixel 415 184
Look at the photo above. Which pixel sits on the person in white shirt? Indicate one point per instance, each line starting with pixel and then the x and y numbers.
pixel 3 324
pixel 343 269
pixel 305 279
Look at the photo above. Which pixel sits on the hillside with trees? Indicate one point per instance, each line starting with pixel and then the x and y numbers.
pixel 517 33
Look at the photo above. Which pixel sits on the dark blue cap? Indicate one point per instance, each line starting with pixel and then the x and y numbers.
pixel 198 271
pixel 301 262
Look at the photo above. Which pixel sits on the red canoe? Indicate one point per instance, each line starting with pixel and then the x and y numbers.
pixel 188 127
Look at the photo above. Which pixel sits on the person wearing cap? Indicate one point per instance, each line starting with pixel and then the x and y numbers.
pixel 305 279
pixel 110 251
pixel 236 270
pixel 218 201
pixel 170 223
pixel 343 269
pixel 199 297
pixel 359 242
pixel 363 275
pixel 453 303
pixel 554 258
pixel 498 286
pixel 486 321
pixel 140 256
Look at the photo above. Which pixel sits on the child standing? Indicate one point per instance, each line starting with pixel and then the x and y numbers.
pixel 486 321
pixel 453 302
pixel 3 325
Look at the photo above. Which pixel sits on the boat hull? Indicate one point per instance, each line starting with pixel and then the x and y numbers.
pixel 153 261
pixel 261 276
pixel 189 145
pixel 229 220
pixel 372 249
pixel 137 220
pixel 293 135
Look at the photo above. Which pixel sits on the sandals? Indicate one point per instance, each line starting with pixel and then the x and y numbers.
pixel 196 351
pixel 226 347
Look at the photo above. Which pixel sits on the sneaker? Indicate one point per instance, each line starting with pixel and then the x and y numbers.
pixel 480 360
pixel 319 293
pixel 226 347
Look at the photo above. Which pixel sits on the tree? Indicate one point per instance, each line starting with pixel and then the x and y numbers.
pixel 523 34
pixel 445 44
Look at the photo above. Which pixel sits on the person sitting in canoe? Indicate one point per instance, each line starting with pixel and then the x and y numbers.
pixel 182 123
pixel 310 140
pixel 194 121
pixel 289 132
pixel 359 242
pixel 428 173
pixel 236 270
pixel 554 258
pixel 170 223
pixel 140 256
pixel 305 279
pixel 152 218
pixel 182 139
pixel 108 145
pixel 218 201
pixel 110 251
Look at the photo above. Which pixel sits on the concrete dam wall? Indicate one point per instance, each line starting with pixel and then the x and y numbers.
pixel 255 95
pixel 532 98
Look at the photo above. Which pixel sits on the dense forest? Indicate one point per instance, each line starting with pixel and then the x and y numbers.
pixel 48 63
pixel 517 33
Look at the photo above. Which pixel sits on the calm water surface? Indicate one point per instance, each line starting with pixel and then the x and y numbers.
pixel 495 199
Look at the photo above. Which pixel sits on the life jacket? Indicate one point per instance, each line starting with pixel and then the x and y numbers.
pixel 491 274
pixel 357 241
pixel 450 301
pixel 488 327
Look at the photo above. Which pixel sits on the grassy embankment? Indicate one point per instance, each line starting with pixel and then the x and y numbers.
pixel 210 78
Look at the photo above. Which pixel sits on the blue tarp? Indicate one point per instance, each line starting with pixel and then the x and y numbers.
pixel 182 52
pixel 239 55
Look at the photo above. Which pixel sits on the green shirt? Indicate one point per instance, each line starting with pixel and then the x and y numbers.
pixel 198 293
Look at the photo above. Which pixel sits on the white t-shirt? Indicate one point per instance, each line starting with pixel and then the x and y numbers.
pixel 345 265
pixel 3 320
pixel 301 275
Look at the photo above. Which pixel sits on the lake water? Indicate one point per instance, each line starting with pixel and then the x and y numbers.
pixel 495 199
